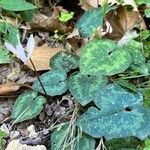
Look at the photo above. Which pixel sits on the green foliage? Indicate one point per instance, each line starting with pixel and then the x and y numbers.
pixel 61 140
pixel 146 144
pixel 90 21
pixel 147 13
pixel 10 32
pixel 54 82
pixel 64 61
pixel 103 57
pixel 64 17
pixel 128 143
pixel 4 56
pixel 27 106
pixel 84 88
pixel 126 84
pixel 122 114
pixel 28 15
pixel 2 134
pixel 16 5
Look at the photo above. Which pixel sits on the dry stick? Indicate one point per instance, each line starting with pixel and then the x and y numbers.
pixel 38 78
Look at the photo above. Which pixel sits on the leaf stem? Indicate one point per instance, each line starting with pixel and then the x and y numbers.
pixel 38 78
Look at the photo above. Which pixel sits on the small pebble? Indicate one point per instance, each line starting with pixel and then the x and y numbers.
pixel 14 135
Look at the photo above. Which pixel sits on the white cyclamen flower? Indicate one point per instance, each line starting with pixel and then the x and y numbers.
pixel 19 51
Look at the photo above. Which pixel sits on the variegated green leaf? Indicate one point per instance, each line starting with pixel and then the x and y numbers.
pixel 90 21
pixel 122 114
pixel 54 83
pixel 103 57
pixel 83 88
pixel 27 106
pixel 64 61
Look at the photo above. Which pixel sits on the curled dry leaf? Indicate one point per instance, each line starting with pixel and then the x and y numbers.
pixel 41 56
pixel 121 21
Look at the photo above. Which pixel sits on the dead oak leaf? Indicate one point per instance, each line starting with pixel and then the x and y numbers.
pixel 121 21
pixel 41 56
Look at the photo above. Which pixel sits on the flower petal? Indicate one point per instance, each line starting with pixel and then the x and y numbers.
pixel 10 47
pixel 30 45
pixel 21 52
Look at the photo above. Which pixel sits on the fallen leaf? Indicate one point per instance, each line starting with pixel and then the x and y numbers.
pixel 52 23
pixel 10 87
pixel 41 56
pixel 88 4
pixel 122 21
pixel 16 145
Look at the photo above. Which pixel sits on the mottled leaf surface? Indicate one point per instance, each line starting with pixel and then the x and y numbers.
pixel 90 21
pixel 83 88
pixel 54 82
pixel 64 61
pixel 121 115
pixel 27 106
pixel 17 5
pixel 103 57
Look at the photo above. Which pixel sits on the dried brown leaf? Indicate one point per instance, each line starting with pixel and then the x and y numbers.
pixel 52 23
pixel 10 87
pixel 121 21
pixel 41 56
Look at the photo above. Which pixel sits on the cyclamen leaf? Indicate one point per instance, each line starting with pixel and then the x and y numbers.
pixel 113 98
pixel 103 57
pixel 27 106
pixel 17 5
pixel 54 82
pixel 64 61
pixel 83 88
pixel 90 21
pixel 122 114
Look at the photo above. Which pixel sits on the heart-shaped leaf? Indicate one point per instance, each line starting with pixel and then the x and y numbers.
pixel 27 106
pixel 64 61
pixel 122 114
pixel 54 83
pixel 83 88
pixel 90 21
pixel 103 57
